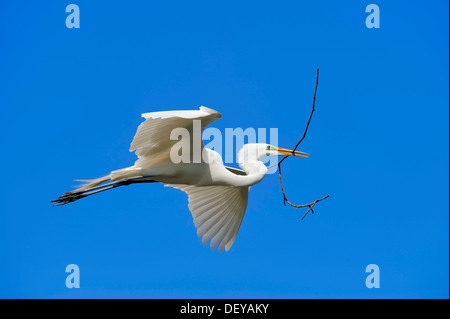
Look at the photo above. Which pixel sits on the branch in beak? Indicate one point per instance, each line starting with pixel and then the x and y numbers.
pixel 285 151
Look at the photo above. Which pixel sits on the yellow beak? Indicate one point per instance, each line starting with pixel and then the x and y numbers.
pixel 285 151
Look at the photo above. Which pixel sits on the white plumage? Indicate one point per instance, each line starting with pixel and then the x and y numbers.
pixel 217 194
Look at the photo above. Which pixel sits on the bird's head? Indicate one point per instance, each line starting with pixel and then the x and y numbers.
pixel 271 150
pixel 256 151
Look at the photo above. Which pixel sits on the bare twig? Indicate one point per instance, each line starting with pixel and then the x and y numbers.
pixel 285 200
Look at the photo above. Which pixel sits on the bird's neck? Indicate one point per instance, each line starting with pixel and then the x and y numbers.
pixel 256 171
pixel 251 164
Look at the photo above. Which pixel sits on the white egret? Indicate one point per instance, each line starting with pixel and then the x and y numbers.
pixel 217 194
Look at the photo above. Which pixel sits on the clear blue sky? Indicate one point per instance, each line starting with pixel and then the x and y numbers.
pixel 71 99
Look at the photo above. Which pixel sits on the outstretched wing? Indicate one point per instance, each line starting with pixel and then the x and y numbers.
pixel 218 212
pixel 152 140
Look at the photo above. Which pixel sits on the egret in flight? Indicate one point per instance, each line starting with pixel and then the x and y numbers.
pixel 217 194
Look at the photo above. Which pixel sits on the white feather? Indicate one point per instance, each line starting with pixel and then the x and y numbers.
pixel 217 211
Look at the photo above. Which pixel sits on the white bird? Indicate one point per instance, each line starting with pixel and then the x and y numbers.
pixel 217 194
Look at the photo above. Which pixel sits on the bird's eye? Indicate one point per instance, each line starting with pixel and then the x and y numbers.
pixel 268 147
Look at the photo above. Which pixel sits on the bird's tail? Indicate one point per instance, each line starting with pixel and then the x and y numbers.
pixel 115 179
pixel 91 183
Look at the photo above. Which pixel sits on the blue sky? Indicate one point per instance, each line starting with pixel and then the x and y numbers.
pixel 70 103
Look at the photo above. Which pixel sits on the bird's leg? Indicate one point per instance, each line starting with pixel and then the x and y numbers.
pixel 74 195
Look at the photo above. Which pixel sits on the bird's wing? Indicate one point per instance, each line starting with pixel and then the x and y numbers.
pixel 152 140
pixel 217 211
